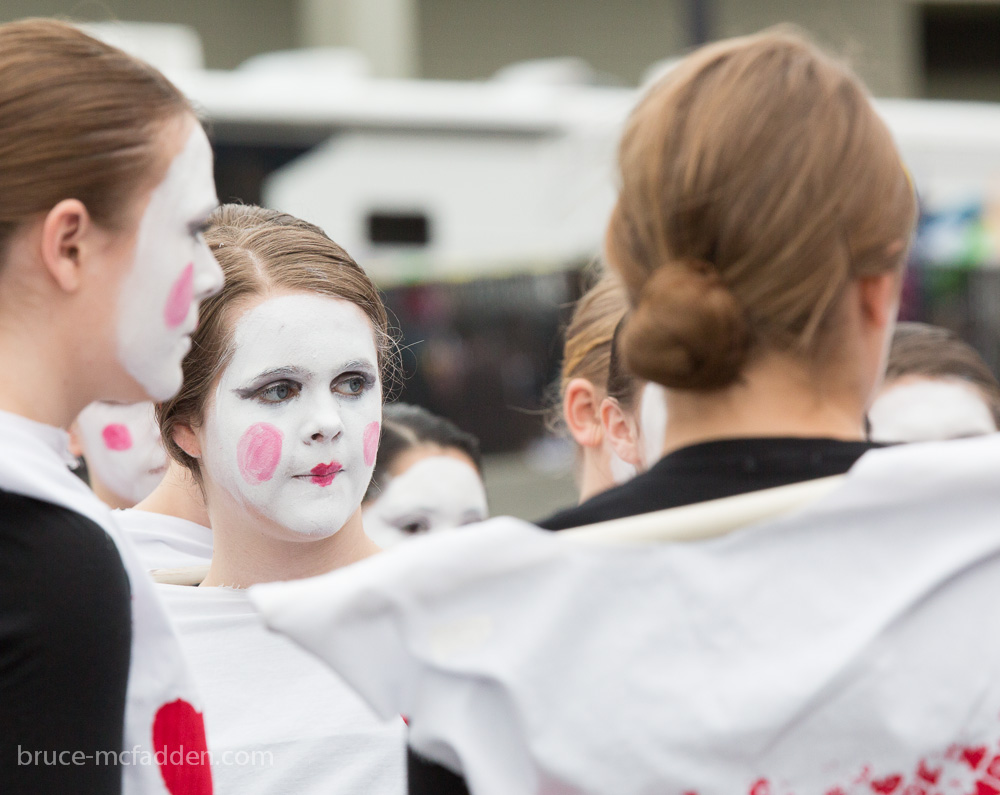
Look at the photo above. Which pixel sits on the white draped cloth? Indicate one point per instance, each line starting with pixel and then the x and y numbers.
pixel 35 462
pixel 166 542
pixel 849 647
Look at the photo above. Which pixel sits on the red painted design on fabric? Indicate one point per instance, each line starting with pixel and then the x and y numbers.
pixel 835 791
pixel 181 750
pixel 258 452
pixel 179 301
pixel 761 787
pixel 371 442
pixel 887 784
pixel 928 775
pixel 984 788
pixel 117 437
pixel 973 756
pixel 994 767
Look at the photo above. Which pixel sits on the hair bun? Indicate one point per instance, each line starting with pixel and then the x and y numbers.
pixel 687 330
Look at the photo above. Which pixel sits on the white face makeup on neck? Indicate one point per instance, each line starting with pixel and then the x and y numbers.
pixel 122 447
pixel 652 423
pixel 173 270
pixel 925 409
pixel 436 493
pixel 292 430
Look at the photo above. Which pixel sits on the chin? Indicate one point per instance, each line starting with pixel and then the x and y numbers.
pixel 309 531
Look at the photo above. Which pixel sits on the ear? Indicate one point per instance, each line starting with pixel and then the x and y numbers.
pixel 75 443
pixel 582 411
pixel 186 439
pixel 879 298
pixel 63 230
pixel 621 432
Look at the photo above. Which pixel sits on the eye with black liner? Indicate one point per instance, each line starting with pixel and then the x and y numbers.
pixel 272 393
pixel 198 229
pixel 353 384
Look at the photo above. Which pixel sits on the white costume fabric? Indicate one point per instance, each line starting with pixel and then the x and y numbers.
pixel 848 648
pixel 166 542
pixel 278 720
pixel 35 463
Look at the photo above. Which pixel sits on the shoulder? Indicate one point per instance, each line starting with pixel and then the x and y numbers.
pixel 635 496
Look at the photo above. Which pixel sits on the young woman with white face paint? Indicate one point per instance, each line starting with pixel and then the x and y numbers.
pixel 121 447
pixel 427 478
pixel 278 421
pixel 936 387
pixel 106 178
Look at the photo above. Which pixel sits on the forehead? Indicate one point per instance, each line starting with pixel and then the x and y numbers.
pixel 103 413
pixel 303 329
pixel 188 185
pixel 436 482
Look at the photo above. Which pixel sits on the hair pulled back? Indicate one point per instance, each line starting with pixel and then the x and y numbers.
pixel 757 181
pixel 79 119
pixel 262 251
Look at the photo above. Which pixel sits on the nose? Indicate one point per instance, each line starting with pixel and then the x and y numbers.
pixel 324 422
pixel 207 273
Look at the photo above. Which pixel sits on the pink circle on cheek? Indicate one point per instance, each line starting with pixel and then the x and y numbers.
pixel 371 442
pixel 258 452
pixel 117 437
pixel 179 300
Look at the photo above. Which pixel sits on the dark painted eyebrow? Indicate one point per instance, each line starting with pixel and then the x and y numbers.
pixel 358 364
pixel 277 371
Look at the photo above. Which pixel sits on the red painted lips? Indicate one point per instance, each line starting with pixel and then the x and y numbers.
pixel 323 474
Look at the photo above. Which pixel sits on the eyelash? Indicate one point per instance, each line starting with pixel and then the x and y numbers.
pixel 296 388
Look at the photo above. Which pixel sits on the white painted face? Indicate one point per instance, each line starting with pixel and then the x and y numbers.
pixel 172 272
pixel 293 428
pixel 652 423
pixel 435 493
pixel 925 409
pixel 122 447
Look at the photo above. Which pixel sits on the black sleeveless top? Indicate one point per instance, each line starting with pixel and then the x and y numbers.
pixel 65 644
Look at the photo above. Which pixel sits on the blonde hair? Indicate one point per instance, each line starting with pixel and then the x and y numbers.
pixel 587 350
pixel 261 250
pixel 757 181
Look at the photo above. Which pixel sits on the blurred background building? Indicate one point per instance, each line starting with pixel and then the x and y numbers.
pixel 463 152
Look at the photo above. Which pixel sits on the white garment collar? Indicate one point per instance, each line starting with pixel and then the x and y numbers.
pixel 54 438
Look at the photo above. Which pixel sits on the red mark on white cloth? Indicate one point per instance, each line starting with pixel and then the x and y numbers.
pixel 371 442
pixel 258 452
pixel 179 301
pixel 180 749
pixel 117 437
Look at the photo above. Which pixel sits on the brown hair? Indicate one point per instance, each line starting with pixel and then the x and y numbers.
pixel 623 386
pixel 587 343
pixel 260 251
pixel 80 120
pixel 756 182
pixel 919 349
pixel 587 349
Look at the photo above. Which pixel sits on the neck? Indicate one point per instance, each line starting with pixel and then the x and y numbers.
pixel 44 389
pixel 177 495
pixel 595 472
pixel 243 556
pixel 777 396
pixel 106 495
